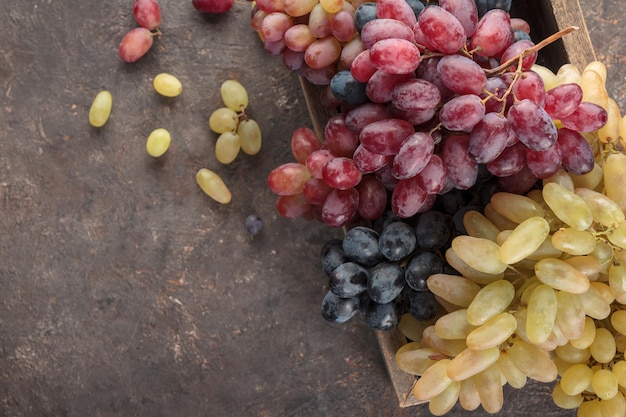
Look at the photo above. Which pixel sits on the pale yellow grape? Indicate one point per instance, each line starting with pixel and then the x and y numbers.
pixel 494 332
pixel 617 282
pixel 250 135
pixel 604 290
pixel 610 131
pixel 590 180
pixel 567 206
pixel 167 85
pixel 603 210
pixel 586 338
pixel 443 402
pixel 100 109
pixel 432 382
pixel 467 271
pixel 524 240
pixel 595 304
pixel 562 178
pixel 561 365
pixel 589 265
pixel 568 73
pixel 500 221
pixel 527 289
pixel 622 127
pixel 594 90
pixel 604 252
pixel 453 325
pixel 545 250
pixel 512 374
pixel 618 321
pixel 547 76
pixel 234 95
pixel 471 361
pixel 415 361
pixel 477 225
pixel 411 327
pixel 158 142
pixel 615 178
pixel 534 362
pixel 481 254
pixel 490 300
pixel 618 236
pixel 603 346
pixel 227 147
pixel 213 186
pixel 407 347
pixel 570 314
pixel 549 344
pixel 541 313
pixel 576 379
pixel 448 347
pixel 562 400
pixel 589 409
pixel 223 120
pixel 571 355
pixel 515 207
pixel 619 370
pixel 489 387
pixel 332 6
pixel 561 276
pixel 457 290
pixel 574 242
pixel 604 384
pixel 599 67
pixel 614 407
pixel 468 395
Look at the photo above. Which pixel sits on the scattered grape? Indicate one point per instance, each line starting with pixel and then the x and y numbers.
pixel 100 109
pixel 167 85
pixel 158 142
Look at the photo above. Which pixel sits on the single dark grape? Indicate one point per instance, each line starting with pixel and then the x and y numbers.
pixel 397 241
pixel 363 14
pixel 520 35
pixel 422 304
pixel 254 224
pixel 382 316
pixel 433 230
pixel 348 280
pixel 360 244
pixel 420 267
pixel 339 310
pixel 347 89
pixel 386 282
pixel 332 255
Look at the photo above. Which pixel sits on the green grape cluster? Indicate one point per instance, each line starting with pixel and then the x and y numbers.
pixel 541 295
pixel 237 132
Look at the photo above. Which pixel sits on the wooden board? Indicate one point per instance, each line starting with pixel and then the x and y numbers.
pixel 545 18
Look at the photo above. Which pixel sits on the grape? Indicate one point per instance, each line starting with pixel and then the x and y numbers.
pixel 432 230
pixel 250 137
pixel 288 179
pixel 614 178
pixel 489 137
pixel 397 241
pixel 462 113
pixel 465 11
pixel 348 280
pixel 533 126
pixel 147 13
pixel 386 282
pixel 369 162
pixel 347 89
pixel 462 169
pixel 420 267
pixel 562 100
pixel 316 160
pixel 432 178
pixel 398 10
pixel 340 140
pixel 332 255
pixel 422 304
pixel 362 68
pixel 361 244
pixel 135 44
pixel 213 6
pixel 223 120
pixel 253 224
pixel 395 56
pixel 316 191
pixel 530 86
pixel 100 109
pixel 158 142
pixel 516 49
pixel 381 84
pixel 485 5
pixel 511 161
pixel 322 52
pixel 342 26
pixel 341 173
pixel 586 118
pixel 461 75
pixel 339 310
pixel 493 34
pixel 303 143
pixel 382 316
pixel 379 29
pixel 546 163
pixel 340 207
pixel 413 155
pixel 442 29
pixel 372 198
pixel 364 114
pixel 167 85
pixel 576 154
pixel 234 95
pixel 415 94
pixel 213 186
pixel 293 206
pixel 297 8
pixel 331 6
pixel 319 21
pixel 227 147
pixel 408 198
pixel 385 137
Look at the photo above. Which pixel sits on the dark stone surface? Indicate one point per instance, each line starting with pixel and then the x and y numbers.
pixel 126 291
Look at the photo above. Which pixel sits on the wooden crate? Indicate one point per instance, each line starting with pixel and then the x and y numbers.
pixel 545 17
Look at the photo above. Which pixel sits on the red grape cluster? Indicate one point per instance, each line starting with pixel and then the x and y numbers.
pixel 138 41
pixel 428 105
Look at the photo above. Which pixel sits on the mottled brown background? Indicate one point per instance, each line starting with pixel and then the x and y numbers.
pixel 124 291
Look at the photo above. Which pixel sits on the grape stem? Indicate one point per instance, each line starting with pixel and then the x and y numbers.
pixel 547 41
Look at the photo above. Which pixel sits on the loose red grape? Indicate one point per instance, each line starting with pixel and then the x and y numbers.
pixel 222 6
pixel 135 44
pixel 147 13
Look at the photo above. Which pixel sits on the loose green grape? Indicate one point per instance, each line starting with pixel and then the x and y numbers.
pixel 158 142
pixel 227 147
pixel 213 185
pixel 100 109
pixel 167 85
pixel 250 134
pixel 223 120
pixel 234 95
